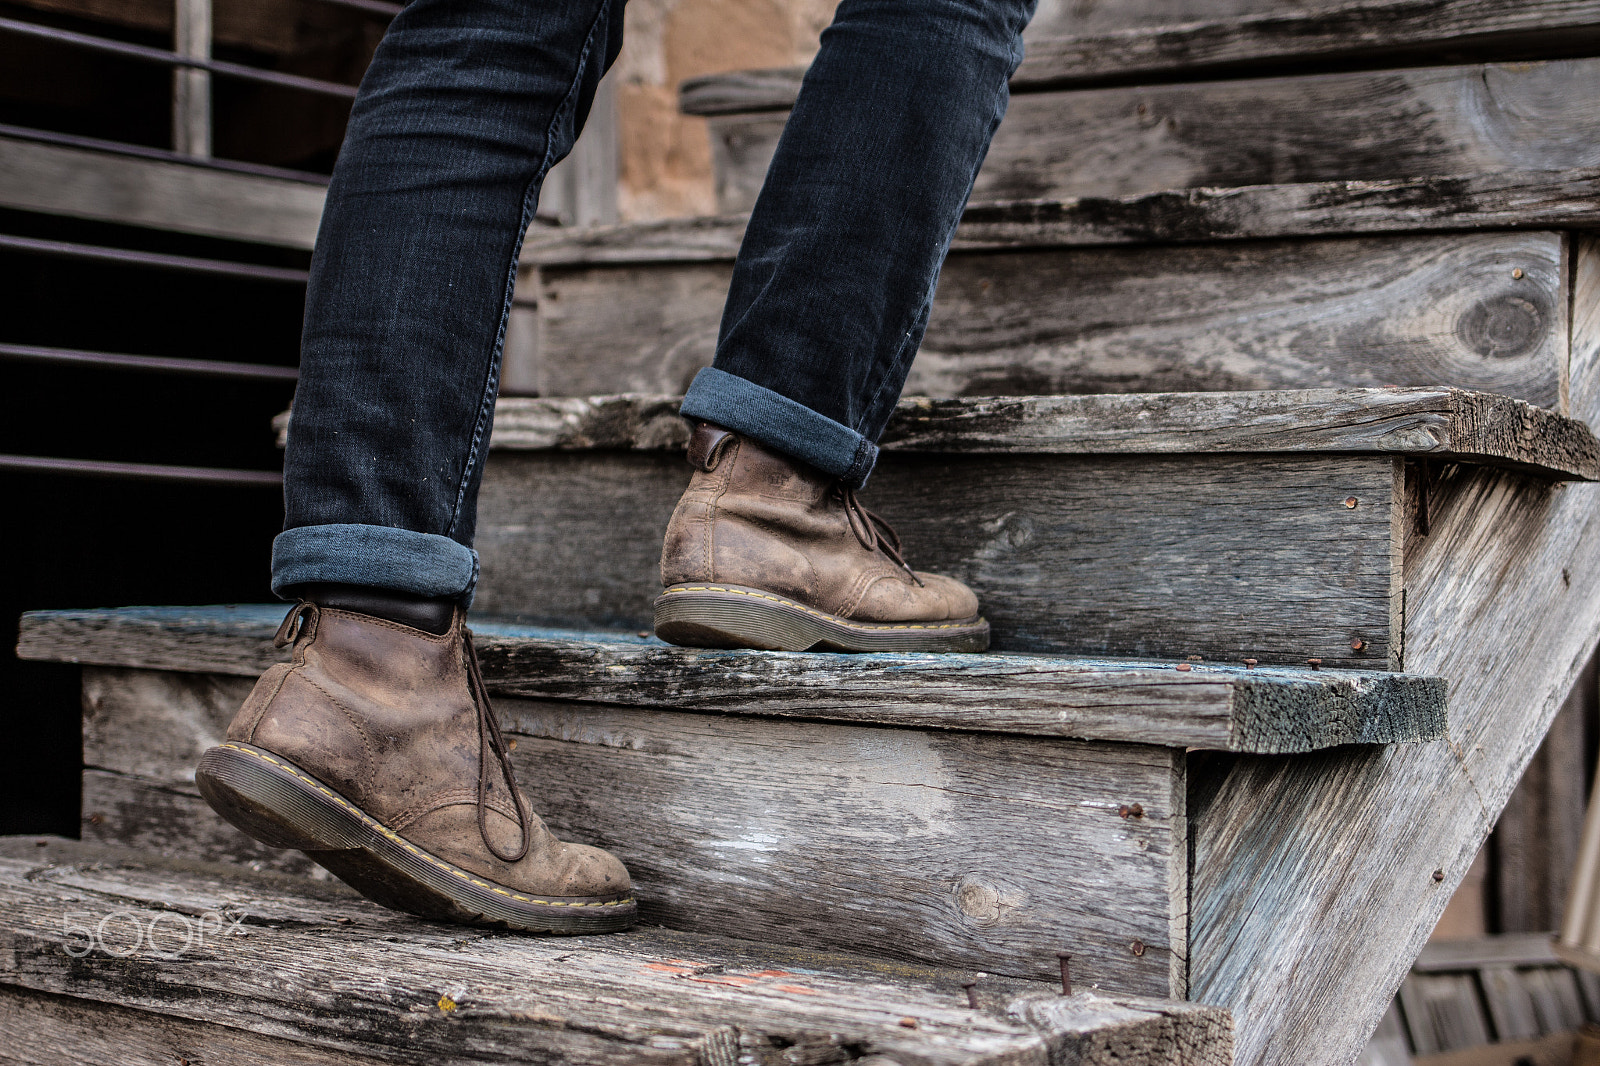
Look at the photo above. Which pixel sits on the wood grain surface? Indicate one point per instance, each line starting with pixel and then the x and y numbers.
pixel 1349 126
pixel 1537 199
pixel 321 968
pixel 155 720
pixel 1306 918
pixel 1446 424
pixel 1228 557
pixel 1071 46
pixel 1483 311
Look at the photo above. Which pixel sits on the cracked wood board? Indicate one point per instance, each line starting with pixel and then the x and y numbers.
pixel 1481 311
pixel 401 990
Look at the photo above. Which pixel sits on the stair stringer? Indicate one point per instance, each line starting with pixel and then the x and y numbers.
pixel 1314 881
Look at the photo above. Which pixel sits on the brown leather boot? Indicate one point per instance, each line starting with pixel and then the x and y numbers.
pixel 765 552
pixel 374 751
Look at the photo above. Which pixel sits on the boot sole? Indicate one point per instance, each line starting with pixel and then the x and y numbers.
pixel 279 804
pixel 731 616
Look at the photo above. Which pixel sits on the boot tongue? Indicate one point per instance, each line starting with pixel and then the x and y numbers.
pixel 429 615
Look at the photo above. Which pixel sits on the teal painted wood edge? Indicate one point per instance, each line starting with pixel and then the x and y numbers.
pixel 1266 709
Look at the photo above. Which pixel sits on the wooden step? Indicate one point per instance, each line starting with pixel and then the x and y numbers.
pixel 1076 45
pixel 226 966
pixel 1271 526
pixel 1350 126
pixel 932 808
pixel 1202 705
pixel 1024 308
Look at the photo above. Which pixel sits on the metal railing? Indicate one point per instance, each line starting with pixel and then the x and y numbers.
pixel 193 67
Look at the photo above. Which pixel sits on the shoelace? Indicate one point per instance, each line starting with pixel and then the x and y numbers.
pixel 871 530
pixel 491 739
pixel 489 736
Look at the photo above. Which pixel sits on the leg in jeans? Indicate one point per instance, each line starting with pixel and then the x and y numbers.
pixel 467 104
pixel 374 748
pixel 830 297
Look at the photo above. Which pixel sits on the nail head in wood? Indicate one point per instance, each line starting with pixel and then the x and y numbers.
pixel 1516 273
pixel 1438 875
pixel 1315 664
pixel 1137 947
pixel 1183 666
pixel 1351 502
pixel 1250 663
pixel 1066 973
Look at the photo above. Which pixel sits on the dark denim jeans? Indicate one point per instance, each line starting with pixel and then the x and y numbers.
pixel 466 106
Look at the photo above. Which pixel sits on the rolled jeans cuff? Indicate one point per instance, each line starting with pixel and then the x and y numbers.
pixel 381 557
pixel 782 424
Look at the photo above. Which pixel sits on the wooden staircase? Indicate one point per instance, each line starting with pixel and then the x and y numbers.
pixel 1254 405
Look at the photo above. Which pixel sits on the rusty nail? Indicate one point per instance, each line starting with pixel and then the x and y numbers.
pixel 1314 663
pixel 1197 658
pixel 1350 501
pixel 1137 947
pixel 1516 272
pixel 1183 666
pixel 96 819
pixel 1124 810
pixel 908 1023
pixel 644 634
pixel 1358 644
pixel 1438 875
pixel 971 988
pixel 1131 810
pixel 1250 663
pixel 511 745
pixel 1066 973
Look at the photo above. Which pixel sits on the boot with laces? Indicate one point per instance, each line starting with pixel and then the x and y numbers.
pixel 374 750
pixel 766 552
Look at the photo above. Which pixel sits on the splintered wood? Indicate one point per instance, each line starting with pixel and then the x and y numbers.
pixel 313 975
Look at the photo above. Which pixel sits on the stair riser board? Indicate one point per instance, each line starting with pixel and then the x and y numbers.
pixel 1228 557
pixel 1365 125
pixel 149 814
pixel 968 850
pixel 1368 311
pixel 983 851
pixel 333 973
pixel 1077 43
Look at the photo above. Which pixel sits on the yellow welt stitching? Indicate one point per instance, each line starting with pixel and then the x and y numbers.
pixel 372 822
pixel 869 626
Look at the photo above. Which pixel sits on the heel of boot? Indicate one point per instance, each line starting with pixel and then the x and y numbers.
pixel 275 802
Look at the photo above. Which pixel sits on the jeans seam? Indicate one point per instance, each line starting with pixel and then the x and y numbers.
pixel 491 385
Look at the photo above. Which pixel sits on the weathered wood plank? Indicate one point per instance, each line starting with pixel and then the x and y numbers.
pixel 1446 424
pixel 61 180
pixel 1431 120
pixel 1306 919
pixel 150 814
pixel 973 850
pixel 155 723
pixel 1483 311
pixel 1065 48
pixel 408 991
pixel 1443 1012
pixel 949 849
pixel 1248 558
pixel 38 1029
pixel 1537 199
pixel 1514 950
pixel 1536 840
